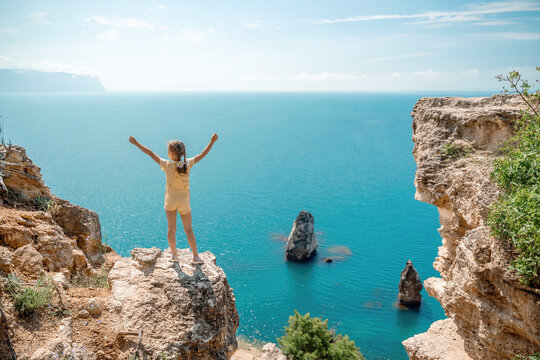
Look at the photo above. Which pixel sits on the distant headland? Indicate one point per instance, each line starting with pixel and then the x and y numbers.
pixel 19 80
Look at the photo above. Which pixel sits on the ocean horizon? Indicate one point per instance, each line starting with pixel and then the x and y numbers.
pixel 343 156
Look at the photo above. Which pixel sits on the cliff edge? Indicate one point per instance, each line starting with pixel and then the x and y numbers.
pixel 104 306
pixel 491 314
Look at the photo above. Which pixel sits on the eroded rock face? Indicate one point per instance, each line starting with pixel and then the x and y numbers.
pixel 186 310
pixel 24 181
pixel 22 175
pixel 19 229
pixel 5 259
pixel 272 352
pixel 301 243
pixel 410 286
pixel 440 342
pixel 6 349
pixel 495 315
pixel 28 260
pixel 82 224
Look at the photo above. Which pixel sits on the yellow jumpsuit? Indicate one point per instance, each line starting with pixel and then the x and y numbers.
pixel 177 188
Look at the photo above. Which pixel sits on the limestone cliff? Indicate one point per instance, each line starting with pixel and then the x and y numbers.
pixel 107 306
pixel 491 315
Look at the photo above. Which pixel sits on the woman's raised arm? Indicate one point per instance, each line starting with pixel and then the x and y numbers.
pixel 206 149
pixel 144 149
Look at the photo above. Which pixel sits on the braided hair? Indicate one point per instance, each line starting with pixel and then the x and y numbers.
pixel 179 149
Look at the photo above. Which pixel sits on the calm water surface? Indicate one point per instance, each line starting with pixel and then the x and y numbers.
pixel 346 158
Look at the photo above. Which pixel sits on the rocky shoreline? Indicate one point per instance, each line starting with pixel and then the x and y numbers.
pixel 491 315
pixel 104 306
pixel 142 305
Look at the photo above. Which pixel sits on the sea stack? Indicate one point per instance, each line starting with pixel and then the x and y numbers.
pixel 301 243
pixel 410 286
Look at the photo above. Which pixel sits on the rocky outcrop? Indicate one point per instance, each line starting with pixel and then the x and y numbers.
pixel 495 315
pixel 248 351
pixel 20 175
pixel 6 349
pixel 83 224
pixel 187 311
pixel 272 352
pixel 301 243
pixel 107 307
pixel 52 232
pixel 410 286
pixel 440 342
pixel 28 260
pixel 63 347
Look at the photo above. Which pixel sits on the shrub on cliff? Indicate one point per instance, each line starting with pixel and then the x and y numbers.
pixel 45 204
pixel 29 299
pixel 515 217
pixel 453 151
pixel 308 338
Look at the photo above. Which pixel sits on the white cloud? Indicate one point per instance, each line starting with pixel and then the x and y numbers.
pixel 8 31
pixel 192 35
pixel 325 76
pixel 261 24
pixel 252 25
pixel 7 62
pixel 119 22
pixel 40 17
pixel 509 35
pixel 161 7
pixel 258 78
pixel 397 57
pixel 473 13
pixel 415 74
pixel 471 72
pixel 6 59
pixel 389 81
pixel 494 23
pixel 110 35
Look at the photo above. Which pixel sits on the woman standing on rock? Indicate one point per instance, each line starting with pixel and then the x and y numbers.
pixel 177 189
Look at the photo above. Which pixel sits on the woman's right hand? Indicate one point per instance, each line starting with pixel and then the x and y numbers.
pixel 132 140
pixel 214 137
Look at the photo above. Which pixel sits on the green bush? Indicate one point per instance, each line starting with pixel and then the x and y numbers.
pixel 15 196
pixel 454 151
pixel 535 356
pixel 29 299
pixel 308 338
pixel 515 216
pixel 45 204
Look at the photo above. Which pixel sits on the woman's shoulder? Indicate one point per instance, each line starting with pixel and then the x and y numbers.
pixel 164 163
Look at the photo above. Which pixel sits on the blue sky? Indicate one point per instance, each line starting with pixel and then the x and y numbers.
pixel 275 45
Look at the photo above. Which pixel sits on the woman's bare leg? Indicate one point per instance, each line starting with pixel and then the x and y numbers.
pixel 186 221
pixel 171 232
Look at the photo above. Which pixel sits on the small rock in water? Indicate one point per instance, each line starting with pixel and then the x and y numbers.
pixel 301 243
pixel 328 260
pixel 410 286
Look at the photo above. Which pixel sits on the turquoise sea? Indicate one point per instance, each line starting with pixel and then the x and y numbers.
pixel 345 157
